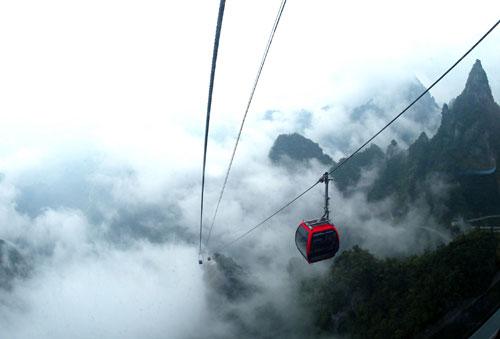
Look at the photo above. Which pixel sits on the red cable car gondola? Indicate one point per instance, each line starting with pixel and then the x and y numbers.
pixel 318 239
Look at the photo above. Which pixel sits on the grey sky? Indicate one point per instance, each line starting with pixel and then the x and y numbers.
pixel 134 75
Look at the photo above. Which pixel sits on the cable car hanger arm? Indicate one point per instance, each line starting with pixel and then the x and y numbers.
pixel 326 179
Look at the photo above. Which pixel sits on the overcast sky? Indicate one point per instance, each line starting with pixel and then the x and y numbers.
pixel 134 75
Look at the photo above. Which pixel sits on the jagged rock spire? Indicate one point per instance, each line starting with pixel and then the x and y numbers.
pixel 477 86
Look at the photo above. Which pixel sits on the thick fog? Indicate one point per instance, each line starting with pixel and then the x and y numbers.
pixel 103 109
pixel 109 255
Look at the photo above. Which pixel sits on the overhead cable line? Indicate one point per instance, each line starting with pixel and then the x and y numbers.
pixel 209 108
pixel 268 46
pixel 417 99
pixel 366 142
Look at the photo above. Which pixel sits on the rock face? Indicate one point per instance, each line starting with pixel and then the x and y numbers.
pixel 462 154
pixel 467 139
pixel 424 108
pixel 465 150
pixel 349 174
pixel 294 148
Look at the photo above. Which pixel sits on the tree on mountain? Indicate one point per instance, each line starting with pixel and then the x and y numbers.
pixel 368 297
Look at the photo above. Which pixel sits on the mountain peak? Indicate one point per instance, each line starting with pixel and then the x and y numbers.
pixel 297 148
pixel 477 84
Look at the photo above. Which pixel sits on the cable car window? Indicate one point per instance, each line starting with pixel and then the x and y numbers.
pixel 322 242
pixel 301 240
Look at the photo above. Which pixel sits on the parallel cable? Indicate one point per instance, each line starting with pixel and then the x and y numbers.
pixel 272 215
pixel 368 141
pixel 268 46
pixel 209 107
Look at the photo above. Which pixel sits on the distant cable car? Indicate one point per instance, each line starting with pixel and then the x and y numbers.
pixel 318 239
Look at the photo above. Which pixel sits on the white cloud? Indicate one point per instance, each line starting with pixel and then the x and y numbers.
pixel 112 294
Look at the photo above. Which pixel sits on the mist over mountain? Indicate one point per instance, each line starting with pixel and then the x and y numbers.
pixel 12 265
pixel 117 237
pixel 453 174
pixel 467 139
pixel 347 177
pixel 382 105
pixel 422 112
pixel 462 154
